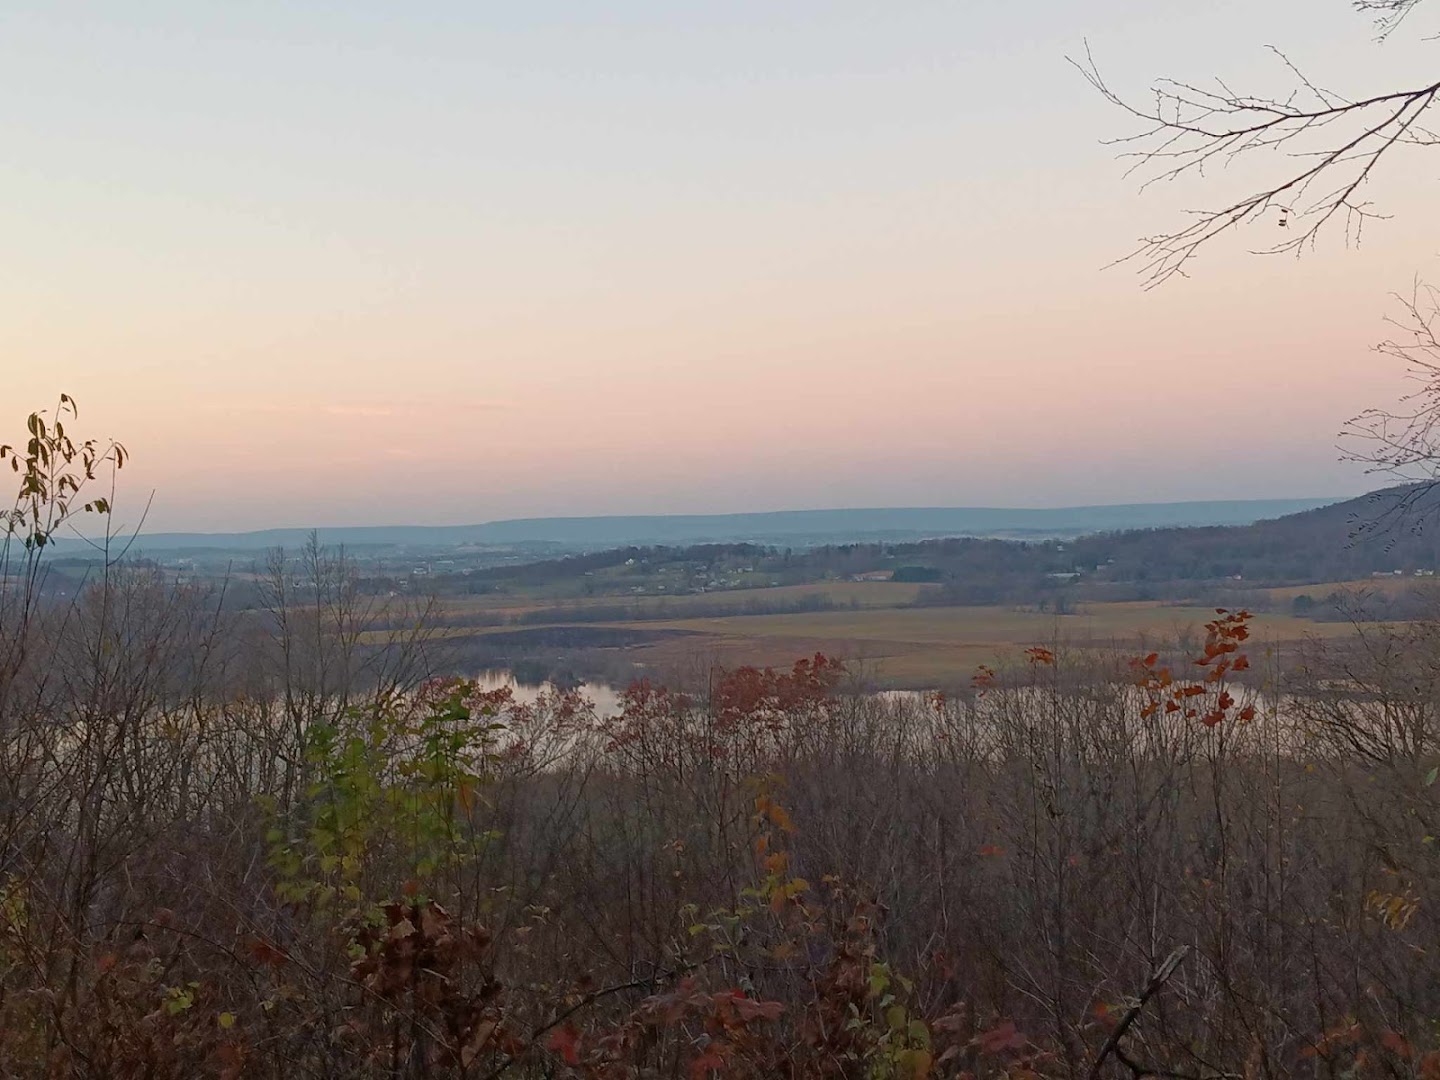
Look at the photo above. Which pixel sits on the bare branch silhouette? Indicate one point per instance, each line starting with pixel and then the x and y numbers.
pixel 1403 442
pixel 1328 146
pixel 1391 13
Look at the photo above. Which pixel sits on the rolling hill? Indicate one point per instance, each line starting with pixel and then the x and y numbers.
pixel 786 528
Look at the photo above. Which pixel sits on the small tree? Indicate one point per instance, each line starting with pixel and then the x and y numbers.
pixel 57 476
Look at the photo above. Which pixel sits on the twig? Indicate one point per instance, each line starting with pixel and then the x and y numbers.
pixel 586 1002
pixel 1157 980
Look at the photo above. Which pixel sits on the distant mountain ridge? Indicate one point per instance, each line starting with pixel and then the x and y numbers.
pixel 1387 531
pixel 793 528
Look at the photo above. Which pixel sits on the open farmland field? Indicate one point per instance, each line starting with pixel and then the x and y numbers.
pixel 864 594
pixel 901 647
pixel 1388 584
pixel 1097 623
pixel 920 647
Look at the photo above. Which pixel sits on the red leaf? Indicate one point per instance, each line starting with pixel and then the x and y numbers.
pixel 750 1009
pixel 707 1062
pixel 1004 1037
pixel 265 953
pixel 1396 1044
pixel 565 1041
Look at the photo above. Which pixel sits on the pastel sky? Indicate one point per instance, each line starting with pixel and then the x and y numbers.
pixel 364 262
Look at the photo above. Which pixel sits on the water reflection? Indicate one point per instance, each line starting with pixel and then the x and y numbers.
pixel 606 698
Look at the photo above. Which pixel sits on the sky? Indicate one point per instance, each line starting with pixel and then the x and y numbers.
pixel 447 262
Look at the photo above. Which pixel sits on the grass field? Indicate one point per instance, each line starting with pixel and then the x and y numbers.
pixel 979 625
pixel 1389 585
pixel 924 646
pixel 904 646
pixel 865 594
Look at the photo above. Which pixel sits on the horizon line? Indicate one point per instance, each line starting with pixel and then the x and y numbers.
pixel 1320 500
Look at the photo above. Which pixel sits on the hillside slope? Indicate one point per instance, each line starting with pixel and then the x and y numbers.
pixel 1388 530
pixel 786 528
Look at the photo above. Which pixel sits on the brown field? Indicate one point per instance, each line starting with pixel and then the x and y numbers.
pixel 920 647
pixel 865 594
pixel 1094 623
pixel 1388 585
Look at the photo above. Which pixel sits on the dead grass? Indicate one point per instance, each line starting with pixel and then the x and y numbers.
pixel 923 647
pixel 990 625
pixel 1389 585
pixel 911 647
pixel 865 594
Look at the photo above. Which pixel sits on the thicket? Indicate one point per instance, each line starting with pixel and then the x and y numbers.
pixel 279 846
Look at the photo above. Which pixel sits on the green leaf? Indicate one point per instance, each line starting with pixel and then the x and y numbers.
pixel 1431 775
pixel 896 1018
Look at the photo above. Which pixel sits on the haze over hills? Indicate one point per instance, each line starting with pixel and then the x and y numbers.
pixel 1390 530
pixel 1384 532
pixel 785 528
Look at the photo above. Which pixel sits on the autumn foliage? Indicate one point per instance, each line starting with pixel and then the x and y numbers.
pixel 274 845
pixel 374 923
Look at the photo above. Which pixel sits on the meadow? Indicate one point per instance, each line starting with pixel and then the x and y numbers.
pixel 874 628
pixel 864 594
pixel 921 648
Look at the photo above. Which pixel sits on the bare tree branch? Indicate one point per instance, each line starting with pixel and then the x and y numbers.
pixel 1403 442
pixel 1152 985
pixel 1328 146
pixel 1392 13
